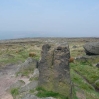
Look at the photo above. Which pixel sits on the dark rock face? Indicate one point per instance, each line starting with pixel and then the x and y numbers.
pixel 97 84
pixel 92 48
pixel 54 71
pixel 97 65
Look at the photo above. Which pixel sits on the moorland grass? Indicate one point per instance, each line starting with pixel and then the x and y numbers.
pixel 14 92
pixel 91 73
pixel 44 93
pixel 81 83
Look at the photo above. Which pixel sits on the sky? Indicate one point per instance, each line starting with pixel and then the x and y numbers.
pixel 49 18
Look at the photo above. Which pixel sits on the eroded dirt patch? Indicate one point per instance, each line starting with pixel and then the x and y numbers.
pixel 7 78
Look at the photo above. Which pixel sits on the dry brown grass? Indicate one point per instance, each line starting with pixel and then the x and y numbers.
pixel 71 60
pixel 32 54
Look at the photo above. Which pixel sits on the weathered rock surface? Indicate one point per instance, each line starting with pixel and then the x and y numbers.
pixel 30 63
pixel 54 69
pixel 32 85
pixel 29 96
pixel 87 57
pixel 35 73
pixel 18 84
pixel 92 48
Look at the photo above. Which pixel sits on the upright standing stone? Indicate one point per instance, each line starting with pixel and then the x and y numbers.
pixel 54 69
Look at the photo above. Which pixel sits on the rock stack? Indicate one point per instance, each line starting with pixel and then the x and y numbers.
pixel 54 71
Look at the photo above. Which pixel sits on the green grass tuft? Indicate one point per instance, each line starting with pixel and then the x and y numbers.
pixel 14 92
pixel 44 93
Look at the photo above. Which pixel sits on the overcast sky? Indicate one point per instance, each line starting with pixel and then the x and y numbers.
pixel 49 18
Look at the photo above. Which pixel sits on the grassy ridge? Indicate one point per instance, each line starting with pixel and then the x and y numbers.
pixel 86 79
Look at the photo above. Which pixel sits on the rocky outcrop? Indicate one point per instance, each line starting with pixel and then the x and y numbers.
pixel 32 85
pixel 36 73
pixel 29 64
pixel 92 48
pixel 17 84
pixel 54 71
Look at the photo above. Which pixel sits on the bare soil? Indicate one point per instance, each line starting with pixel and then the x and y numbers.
pixel 7 78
